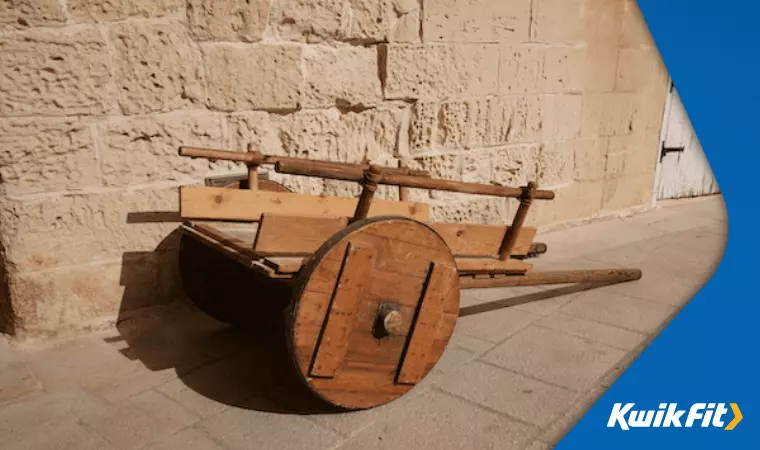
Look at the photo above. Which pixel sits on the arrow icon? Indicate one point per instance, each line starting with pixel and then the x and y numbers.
pixel 737 417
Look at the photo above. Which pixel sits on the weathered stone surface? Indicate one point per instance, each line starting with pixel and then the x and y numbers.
pixel 515 165
pixel 445 167
pixel 635 30
pixel 520 68
pixel 474 123
pixel 228 20
pixel 426 71
pixel 561 117
pixel 590 159
pixel 632 154
pixel 600 68
pixel 56 302
pixel 158 68
pixel 573 201
pixel 603 22
pixel 55 72
pixel 144 149
pixel 343 77
pixel 639 70
pixel 47 154
pixel 650 108
pixel 617 112
pixel 351 20
pixel 478 210
pixel 32 13
pixel 406 28
pixel 78 229
pixel 557 20
pixel 253 76
pixel 112 10
pixel 556 163
pixel 329 134
pixel 476 20
pixel 564 69
pixel 628 191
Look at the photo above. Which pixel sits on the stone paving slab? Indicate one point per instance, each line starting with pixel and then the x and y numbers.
pixel 523 366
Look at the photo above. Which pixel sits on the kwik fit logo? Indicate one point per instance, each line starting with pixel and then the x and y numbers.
pixel 668 415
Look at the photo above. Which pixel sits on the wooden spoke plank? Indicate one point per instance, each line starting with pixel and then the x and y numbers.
pixel 416 355
pixel 211 203
pixel 352 281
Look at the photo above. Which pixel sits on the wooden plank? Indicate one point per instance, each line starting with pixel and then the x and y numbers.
pixel 422 335
pixel 284 265
pixel 341 314
pixel 491 266
pixel 476 240
pixel 210 203
pixel 292 234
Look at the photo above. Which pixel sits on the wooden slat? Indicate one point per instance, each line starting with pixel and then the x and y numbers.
pixel 417 353
pixel 209 203
pixel 341 314
pixel 491 266
pixel 292 234
pixel 284 265
pixel 475 240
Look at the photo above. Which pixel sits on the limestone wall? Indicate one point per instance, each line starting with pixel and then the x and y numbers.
pixel 96 96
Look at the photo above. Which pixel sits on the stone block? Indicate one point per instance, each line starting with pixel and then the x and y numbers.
pixel 47 154
pixel 55 72
pixel 65 434
pixel 617 113
pixel 326 134
pixel 650 108
pixel 635 30
pixel 516 165
pixel 477 166
pixel 32 13
pixel 477 210
pixel 426 71
pixel 603 22
pixel 46 409
pixel 632 154
pixel 248 428
pixel 139 421
pixel 521 67
pixel 476 21
pixel 628 191
pixel 561 117
pixel 359 21
pixel 558 20
pixel 113 10
pixel 563 70
pixel 227 20
pixel 634 314
pixel 590 159
pixel 600 68
pixel 65 300
pixel 438 420
pixel 78 229
pixel 573 201
pixel 556 163
pixel 187 439
pixel 144 149
pixel 407 26
pixel 508 393
pixel 639 70
pixel 496 325
pixel 557 358
pixel 592 330
pixel 344 77
pixel 253 76
pixel 158 67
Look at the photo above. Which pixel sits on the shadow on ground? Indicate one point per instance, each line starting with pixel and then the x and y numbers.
pixel 246 366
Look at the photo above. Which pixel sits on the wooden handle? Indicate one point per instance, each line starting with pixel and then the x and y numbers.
pixel 553 277
pixel 339 169
pixel 412 181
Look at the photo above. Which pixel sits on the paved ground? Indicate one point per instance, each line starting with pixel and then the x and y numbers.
pixel 523 366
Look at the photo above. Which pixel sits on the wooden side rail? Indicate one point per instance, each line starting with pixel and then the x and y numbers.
pixel 409 181
pixel 256 158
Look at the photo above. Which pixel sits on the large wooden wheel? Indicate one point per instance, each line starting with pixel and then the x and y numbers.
pixel 374 311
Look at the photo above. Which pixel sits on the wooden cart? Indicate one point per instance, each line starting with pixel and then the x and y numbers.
pixel 370 287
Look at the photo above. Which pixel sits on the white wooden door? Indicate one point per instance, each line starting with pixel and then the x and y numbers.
pixel 683 170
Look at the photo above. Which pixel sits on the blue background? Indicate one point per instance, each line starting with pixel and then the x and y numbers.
pixel 709 352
